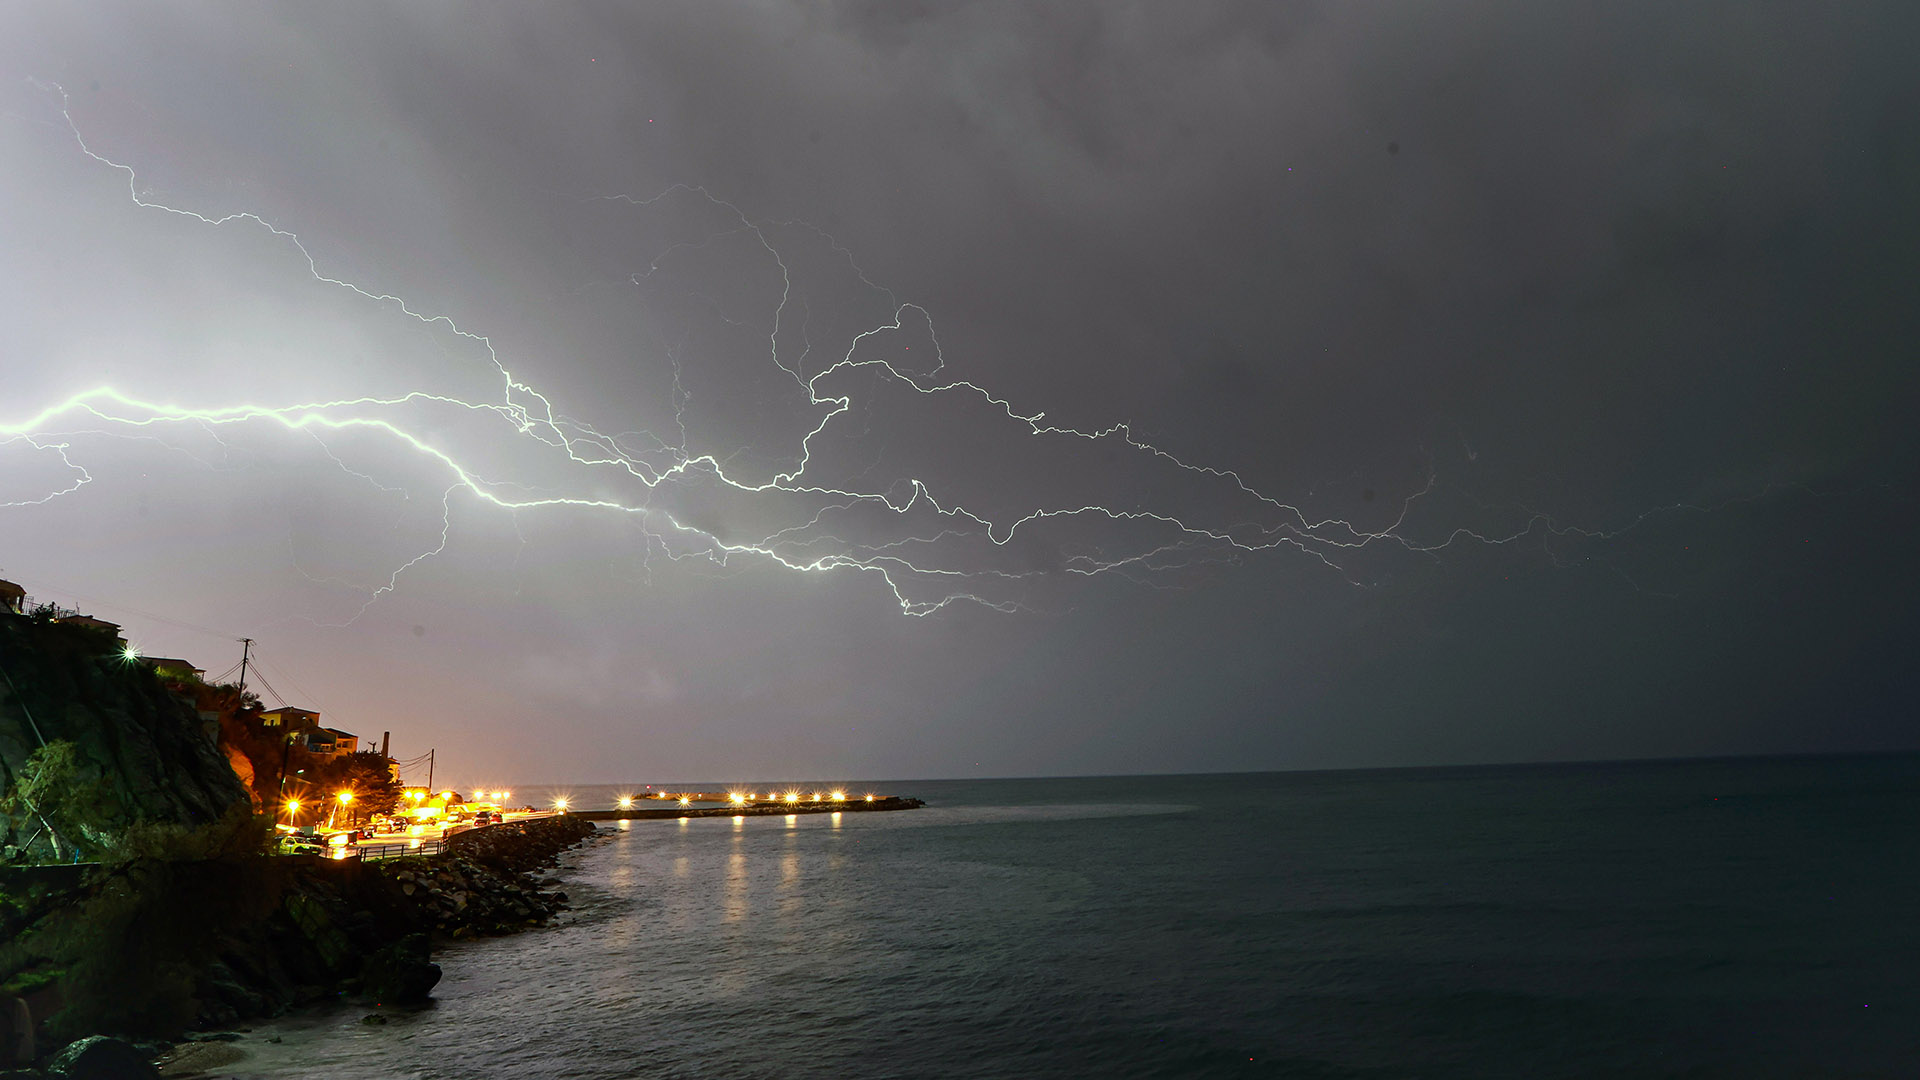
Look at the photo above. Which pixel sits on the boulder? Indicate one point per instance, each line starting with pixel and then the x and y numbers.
pixel 400 973
pixel 100 1057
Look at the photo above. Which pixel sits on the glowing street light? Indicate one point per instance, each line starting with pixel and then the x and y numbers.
pixel 129 654
pixel 345 797
pixel 869 798
pixel 736 798
pixel 626 802
pixel 684 801
pixel 839 796
pixel 560 804
pixel 793 796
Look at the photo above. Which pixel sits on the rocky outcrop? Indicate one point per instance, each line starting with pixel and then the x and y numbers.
pixel 400 974
pixel 149 750
pixel 101 1058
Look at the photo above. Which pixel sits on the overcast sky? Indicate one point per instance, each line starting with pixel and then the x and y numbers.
pixel 654 391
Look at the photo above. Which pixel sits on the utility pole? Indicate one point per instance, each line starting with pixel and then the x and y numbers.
pixel 429 772
pixel 246 647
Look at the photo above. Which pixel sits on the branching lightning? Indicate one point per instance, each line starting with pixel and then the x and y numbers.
pixel 942 551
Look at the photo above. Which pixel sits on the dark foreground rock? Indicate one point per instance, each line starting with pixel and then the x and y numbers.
pixel 400 974
pixel 155 949
pixel 102 1058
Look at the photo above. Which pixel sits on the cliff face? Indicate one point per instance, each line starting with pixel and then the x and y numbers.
pixel 153 757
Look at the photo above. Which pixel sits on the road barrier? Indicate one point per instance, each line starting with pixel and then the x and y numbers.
pixel 370 852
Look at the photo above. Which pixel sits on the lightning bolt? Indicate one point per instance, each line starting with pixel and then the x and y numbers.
pixel 940 552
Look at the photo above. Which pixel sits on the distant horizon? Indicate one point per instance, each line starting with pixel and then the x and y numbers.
pixel 713 785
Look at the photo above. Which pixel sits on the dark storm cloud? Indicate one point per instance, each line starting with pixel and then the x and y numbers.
pixel 1591 261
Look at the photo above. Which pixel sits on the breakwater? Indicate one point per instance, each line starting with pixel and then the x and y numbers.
pixel 752 809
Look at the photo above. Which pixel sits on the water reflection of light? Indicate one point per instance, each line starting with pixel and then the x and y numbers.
pixel 739 822
pixel 683 823
pixel 836 819
pixel 624 825
pixel 792 819
pixel 733 895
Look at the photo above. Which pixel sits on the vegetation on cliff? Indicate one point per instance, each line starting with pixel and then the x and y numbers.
pixel 101 737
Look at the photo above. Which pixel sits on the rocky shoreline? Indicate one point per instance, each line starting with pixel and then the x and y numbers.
pixel 265 935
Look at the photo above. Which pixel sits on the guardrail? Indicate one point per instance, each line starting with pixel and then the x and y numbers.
pixel 369 852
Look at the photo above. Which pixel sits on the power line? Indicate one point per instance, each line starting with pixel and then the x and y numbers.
pixel 282 673
pixel 276 694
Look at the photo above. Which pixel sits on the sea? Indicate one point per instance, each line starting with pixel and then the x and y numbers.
pixel 1746 918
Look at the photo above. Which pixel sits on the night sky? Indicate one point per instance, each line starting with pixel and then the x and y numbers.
pixel 655 391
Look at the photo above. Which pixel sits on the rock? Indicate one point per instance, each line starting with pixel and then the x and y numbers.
pixel 99 1057
pixel 373 1018
pixel 220 985
pixel 400 972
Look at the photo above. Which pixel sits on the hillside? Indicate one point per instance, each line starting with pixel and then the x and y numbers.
pixel 140 753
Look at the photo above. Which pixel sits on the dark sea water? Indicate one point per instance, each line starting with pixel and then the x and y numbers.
pixel 1751 918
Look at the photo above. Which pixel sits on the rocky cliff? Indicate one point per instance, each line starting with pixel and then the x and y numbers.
pixel 141 752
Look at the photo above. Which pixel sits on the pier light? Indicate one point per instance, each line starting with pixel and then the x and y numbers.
pixel 793 796
pixel 736 798
pixel 813 796
pixel 869 798
pixel 626 802
pixel 839 796
pixel 560 804
pixel 684 801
